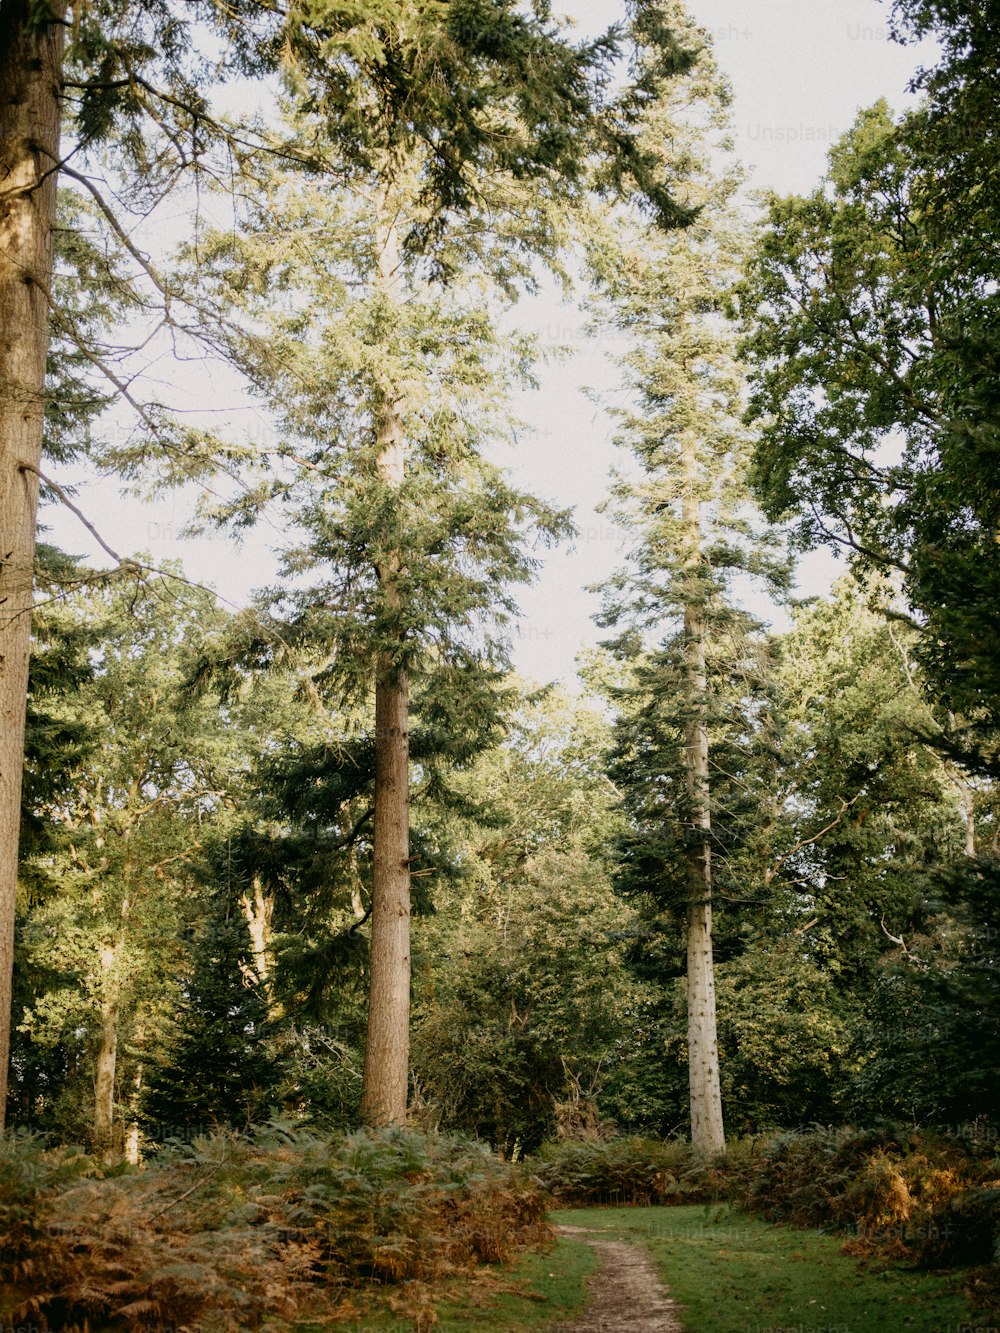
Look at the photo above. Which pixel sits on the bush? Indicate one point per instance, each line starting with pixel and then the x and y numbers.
pixel 930 1199
pixel 231 1232
pixel 965 1232
pixel 626 1171
pixel 901 1193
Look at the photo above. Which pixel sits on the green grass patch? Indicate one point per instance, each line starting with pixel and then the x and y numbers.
pixel 732 1273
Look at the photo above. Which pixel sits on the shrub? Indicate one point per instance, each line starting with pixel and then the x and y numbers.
pixel 931 1199
pixel 236 1233
pixel 626 1171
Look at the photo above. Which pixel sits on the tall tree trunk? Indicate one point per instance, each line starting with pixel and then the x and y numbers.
pixel 106 1065
pixel 385 1078
pixel 31 52
pixel 707 1131
pixel 387 1050
pixel 104 1081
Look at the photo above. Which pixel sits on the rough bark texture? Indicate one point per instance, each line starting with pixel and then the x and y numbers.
pixel 30 75
pixel 387 1050
pixel 385 1080
pixel 707 1131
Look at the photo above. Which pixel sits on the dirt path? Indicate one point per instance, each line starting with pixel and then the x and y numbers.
pixel 626 1295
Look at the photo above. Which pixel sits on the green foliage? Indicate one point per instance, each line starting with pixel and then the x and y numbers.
pixel 892 1188
pixel 929 1041
pixel 785 1037
pixel 625 1171
pixel 522 1010
pixel 121 817
pixel 28 1176
pixel 870 309
pixel 212 1065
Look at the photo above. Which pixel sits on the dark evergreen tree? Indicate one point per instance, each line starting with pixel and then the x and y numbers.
pixel 213 1065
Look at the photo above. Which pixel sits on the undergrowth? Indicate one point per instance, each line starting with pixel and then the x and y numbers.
pixel 241 1233
pixel 898 1195
pixel 626 1171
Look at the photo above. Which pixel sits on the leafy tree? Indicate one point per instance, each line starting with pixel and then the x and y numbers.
pixel 929 1038
pixel 116 72
pixel 125 825
pixel 871 313
pixel 523 1005
pixel 865 814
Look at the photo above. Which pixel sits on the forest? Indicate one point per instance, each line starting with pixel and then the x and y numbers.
pixel 335 954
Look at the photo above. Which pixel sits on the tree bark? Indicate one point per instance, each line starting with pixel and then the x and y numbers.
pixel 385 1079
pixel 257 912
pixel 707 1130
pixel 106 1064
pixel 387 1050
pixel 31 52
pixel 105 1074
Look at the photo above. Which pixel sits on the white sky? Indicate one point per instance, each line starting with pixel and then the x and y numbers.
pixel 800 70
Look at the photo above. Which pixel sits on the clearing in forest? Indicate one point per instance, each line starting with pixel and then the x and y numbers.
pixel 701 1269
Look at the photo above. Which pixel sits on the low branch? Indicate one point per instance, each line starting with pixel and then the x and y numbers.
pixel 125 563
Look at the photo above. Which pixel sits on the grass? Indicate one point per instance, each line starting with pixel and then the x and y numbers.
pixel 728 1272
pixel 731 1273
pixel 539 1290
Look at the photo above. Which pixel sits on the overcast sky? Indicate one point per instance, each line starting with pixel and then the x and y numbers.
pixel 800 70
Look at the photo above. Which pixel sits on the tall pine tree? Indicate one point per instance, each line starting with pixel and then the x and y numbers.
pixel 668 292
pixel 469 134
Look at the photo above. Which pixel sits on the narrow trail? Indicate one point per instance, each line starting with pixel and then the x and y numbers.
pixel 626 1295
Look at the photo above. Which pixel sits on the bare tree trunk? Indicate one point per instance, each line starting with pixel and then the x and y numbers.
pixel 385 1078
pixel 707 1131
pixel 104 1081
pixel 106 1066
pixel 31 51
pixel 257 912
pixel 133 1154
pixel 387 1050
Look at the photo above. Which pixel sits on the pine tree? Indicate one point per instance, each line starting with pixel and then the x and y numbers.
pixel 30 70
pixel 468 138
pixel 668 293
pixel 99 74
pixel 213 1066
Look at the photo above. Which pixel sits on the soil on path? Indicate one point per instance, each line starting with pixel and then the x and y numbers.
pixel 626 1295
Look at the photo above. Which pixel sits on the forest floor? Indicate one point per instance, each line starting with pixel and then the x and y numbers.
pixel 716 1270
pixel 692 1269
pixel 625 1293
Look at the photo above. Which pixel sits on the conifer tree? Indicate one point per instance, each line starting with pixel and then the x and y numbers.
pixel 212 1066
pixel 468 135
pixel 469 88
pixel 77 76
pixel 668 292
